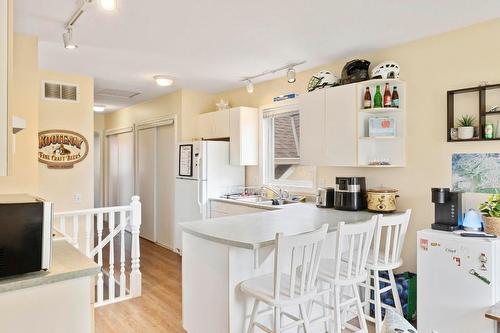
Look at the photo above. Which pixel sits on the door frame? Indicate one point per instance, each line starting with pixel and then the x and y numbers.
pixel 169 120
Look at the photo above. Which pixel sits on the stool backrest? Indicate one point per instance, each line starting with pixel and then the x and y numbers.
pixel 357 239
pixel 391 228
pixel 298 256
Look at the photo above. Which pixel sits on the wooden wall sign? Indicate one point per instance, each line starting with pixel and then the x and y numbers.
pixel 61 149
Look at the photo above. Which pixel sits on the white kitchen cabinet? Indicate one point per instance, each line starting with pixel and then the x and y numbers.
pixel 214 125
pixel 244 136
pixel 328 127
pixel 221 209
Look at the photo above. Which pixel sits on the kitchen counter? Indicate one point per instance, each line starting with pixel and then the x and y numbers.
pixel 67 263
pixel 253 231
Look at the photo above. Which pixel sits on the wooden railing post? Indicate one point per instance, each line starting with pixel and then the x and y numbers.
pixel 135 224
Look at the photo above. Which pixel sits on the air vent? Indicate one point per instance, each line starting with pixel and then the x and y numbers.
pixel 117 93
pixel 60 91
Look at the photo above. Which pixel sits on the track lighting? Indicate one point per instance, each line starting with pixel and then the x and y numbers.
pixel 249 86
pixel 108 4
pixel 290 75
pixel 68 39
pixel 163 81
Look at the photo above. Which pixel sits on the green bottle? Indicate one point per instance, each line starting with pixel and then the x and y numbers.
pixel 377 99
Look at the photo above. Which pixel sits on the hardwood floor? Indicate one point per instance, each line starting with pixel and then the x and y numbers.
pixel 159 309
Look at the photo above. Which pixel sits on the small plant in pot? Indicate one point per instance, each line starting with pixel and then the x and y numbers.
pixel 491 214
pixel 466 127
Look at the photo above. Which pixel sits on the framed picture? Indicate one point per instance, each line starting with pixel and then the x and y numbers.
pixel 381 127
pixel 186 160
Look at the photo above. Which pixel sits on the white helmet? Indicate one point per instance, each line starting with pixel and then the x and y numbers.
pixel 386 70
pixel 321 80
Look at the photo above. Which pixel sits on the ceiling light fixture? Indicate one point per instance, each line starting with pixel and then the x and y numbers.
pixel 99 108
pixel 249 86
pixel 108 4
pixel 163 81
pixel 290 75
pixel 68 39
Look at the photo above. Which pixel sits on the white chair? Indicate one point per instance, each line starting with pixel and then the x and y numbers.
pixel 385 255
pixel 293 282
pixel 341 274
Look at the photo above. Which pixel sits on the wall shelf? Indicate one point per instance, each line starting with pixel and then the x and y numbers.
pixel 481 90
pixel 381 110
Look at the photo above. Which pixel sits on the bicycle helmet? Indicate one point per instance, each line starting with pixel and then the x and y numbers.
pixel 355 71
pixel 321 80
pixel 386 70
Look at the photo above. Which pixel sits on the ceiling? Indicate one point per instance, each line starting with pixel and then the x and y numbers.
pixel 210 45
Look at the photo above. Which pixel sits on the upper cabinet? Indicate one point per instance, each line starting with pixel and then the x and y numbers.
pixel 336 130
pixel 240 125
pixel 4 117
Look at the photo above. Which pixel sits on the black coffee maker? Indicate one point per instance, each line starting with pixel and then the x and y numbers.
pixel 447 209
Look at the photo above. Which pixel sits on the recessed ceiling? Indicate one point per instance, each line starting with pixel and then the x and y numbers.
pixel 210 45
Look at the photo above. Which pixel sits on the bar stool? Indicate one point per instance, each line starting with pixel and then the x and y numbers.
pixel 346 271
pixel 293 282
pixel 385 256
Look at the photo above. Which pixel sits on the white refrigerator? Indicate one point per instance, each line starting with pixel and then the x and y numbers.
pixel 203 172
pixel 457 282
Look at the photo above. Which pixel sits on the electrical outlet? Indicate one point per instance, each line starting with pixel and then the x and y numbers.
pixel 77 198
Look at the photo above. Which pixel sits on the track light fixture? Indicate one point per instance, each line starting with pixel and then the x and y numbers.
pixel 68 39
pixel 290 75
pixel 249 86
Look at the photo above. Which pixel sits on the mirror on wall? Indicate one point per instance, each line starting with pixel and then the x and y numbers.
pixel 4 126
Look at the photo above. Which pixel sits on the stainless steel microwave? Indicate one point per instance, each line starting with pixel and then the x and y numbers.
pixel 25 234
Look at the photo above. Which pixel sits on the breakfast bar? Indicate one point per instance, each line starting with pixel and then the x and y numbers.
pixel 220 253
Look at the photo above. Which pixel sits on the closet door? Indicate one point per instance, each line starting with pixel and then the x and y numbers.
pixel 112 166
pixel 165 161
pixel 146 174
pixel 120 168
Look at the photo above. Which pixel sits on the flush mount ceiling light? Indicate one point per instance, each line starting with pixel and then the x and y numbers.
pixel 99 108
pixel 108 4
pixel 68 39
pixel 249 86
pixel 290 75
pixel 163 80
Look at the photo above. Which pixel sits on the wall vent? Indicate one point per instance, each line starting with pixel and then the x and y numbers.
pixel 117 93
pixel 60 91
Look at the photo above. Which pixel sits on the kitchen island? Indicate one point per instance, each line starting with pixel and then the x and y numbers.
pixel 58 301
pixel 220 253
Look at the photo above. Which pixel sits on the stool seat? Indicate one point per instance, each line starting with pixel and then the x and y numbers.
pixel 381 263
pixel 262 287
pixel 326 273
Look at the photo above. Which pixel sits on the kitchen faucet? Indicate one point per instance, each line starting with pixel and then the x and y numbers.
pixel 277 191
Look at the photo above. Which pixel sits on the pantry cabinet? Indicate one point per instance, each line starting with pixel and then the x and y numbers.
pixel 328 127
pixel 213 125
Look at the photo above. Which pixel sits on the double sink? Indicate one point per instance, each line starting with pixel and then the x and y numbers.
pixel 260 200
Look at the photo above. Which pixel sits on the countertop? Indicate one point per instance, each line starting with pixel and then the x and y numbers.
pixel 67 264
pixel 256 230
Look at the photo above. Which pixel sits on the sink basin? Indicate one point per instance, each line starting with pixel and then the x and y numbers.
pixel 264 201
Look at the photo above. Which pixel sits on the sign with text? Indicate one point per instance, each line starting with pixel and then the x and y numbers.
pixel 61 149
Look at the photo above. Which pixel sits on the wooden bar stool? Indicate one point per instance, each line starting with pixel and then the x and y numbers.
pixel 385 256
pixel 345 272
pixel 292 284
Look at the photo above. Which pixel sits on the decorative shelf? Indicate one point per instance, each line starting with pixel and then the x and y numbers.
pixel 380 138
pixel 381 166
pixel 381 110
pixel 481 90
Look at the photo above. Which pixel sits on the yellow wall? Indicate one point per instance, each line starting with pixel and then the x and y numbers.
pixel 430 66
pixel 23 102
pixel 60 185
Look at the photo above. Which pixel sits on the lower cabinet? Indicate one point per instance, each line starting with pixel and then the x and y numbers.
pixel 222 209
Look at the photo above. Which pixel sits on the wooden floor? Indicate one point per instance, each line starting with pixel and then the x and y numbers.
pixel 159 309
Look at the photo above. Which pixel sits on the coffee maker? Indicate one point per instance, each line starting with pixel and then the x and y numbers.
pixel 447 209
pixel 350 193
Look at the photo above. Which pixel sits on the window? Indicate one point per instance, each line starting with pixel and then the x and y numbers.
pixel 281 151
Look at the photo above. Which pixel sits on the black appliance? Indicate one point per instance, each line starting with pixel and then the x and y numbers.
pixel 447 209
pixel 350 193
pixel 26 234
pixel 325 197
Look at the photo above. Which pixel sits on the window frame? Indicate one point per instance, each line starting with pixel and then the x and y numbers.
pixel 266 168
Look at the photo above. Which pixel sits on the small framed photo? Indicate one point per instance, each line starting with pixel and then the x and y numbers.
pixel 381 127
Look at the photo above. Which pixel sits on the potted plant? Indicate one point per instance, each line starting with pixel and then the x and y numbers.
pixel 466 127
pixel 491 214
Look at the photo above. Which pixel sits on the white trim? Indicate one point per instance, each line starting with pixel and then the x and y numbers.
pixel 115 131
pixel 4 78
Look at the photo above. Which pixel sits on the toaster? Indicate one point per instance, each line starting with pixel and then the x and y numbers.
pixel 325 197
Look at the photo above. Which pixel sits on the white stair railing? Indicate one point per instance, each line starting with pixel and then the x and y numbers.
pixel 96 238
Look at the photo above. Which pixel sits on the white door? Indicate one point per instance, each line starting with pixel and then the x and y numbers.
pixel 146 180
pixel 120 168
pixel 165 150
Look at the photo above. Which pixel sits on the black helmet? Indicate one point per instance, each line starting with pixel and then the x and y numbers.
pixel 355 71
